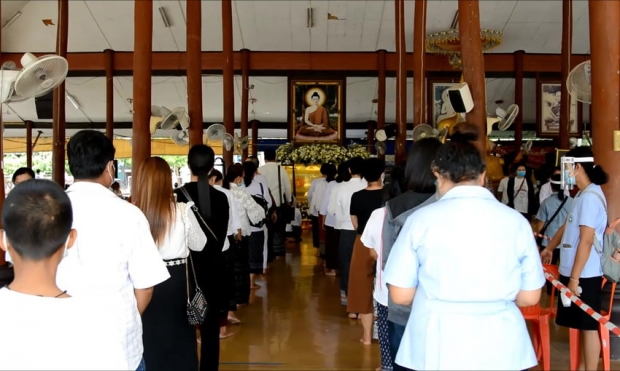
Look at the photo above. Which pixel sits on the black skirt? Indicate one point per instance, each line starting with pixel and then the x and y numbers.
pixel 573 316
pixel 332 236
pixel 169 340
pixel 256 246
pixel 242 272
pixel 229 276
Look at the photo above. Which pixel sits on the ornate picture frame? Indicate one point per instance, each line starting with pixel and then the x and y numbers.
pixel 316 113
pixel 548 110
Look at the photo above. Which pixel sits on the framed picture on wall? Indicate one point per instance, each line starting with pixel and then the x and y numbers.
pixel 441 109
pixel 549 98
pixel 559 153
pixel 316 111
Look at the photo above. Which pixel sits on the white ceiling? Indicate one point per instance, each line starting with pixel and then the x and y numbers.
pixel 269 92
pixel 267 25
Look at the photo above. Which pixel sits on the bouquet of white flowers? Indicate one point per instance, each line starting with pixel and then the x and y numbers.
pixel 319 153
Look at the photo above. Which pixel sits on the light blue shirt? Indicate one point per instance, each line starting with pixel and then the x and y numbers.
pixel 469 255
pixel 549 206
pixel 589 211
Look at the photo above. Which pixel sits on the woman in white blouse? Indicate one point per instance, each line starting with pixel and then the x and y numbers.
pixel 467 262
pixel 169 340
pixel 257 237
pixel 249 212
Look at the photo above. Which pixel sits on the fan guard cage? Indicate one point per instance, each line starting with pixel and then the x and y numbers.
pixel 41 76
pixel 578 83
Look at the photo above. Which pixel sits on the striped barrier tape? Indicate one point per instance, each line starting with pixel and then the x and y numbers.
pixel 583 306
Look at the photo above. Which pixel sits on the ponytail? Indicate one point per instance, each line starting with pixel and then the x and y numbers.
pixel 249 169
pixel 596 174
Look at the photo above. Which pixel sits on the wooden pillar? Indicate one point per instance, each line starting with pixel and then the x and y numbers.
pixel 419 52
pixel 518 124
pixel 381 92
pixel 245 96
pixel 605 54
pixel 473 65
pixel 109 93
pixel 58 114
pixel 228 75
pixel 567 42
pixel 142 65
pixel 254 124
pixel 28 144
pixel 371 135
pixel 194 70
pixel 401 83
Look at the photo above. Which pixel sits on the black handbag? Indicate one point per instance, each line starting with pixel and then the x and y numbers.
pixel 197 306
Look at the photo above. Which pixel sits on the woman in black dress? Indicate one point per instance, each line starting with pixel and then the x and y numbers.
pixel 209 263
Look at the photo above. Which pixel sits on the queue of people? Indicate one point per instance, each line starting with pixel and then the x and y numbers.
pixel 441 262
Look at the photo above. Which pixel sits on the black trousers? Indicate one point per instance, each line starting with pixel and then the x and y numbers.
pixel 315 231
pixel 210 341
pixel 345 252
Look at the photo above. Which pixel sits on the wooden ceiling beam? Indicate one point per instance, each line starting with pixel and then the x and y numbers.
pixel 304 61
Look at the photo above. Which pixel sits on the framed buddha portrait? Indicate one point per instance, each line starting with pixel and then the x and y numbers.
pixel 316 114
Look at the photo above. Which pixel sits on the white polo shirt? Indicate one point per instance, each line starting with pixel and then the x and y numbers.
pixel 114 254
pixel 340 202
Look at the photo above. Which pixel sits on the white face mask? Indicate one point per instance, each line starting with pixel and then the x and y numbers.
pixel 64 254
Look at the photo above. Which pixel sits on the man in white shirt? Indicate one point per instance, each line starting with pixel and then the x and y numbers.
pixel 280 188
pixel 340 206
pixel 114 256
pixel 43 328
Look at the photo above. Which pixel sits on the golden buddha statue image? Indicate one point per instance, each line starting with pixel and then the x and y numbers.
pixel 315 119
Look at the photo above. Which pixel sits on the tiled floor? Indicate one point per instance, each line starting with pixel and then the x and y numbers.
pixel 295 322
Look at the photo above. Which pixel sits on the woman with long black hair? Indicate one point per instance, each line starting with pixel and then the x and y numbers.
pixel 209 263
pixel 580 263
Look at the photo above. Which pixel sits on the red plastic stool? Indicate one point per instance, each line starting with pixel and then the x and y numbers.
pixel 539 318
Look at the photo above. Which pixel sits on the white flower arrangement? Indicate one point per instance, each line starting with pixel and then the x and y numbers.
pixel 319 153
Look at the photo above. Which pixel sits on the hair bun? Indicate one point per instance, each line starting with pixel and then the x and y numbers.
pixel 465 132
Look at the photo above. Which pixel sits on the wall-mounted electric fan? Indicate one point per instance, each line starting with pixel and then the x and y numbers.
pixel 37 77
pixel 181 138
pixel 579 82
pixel 176 119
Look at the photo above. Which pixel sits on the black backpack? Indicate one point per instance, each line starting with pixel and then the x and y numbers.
pixel 260 199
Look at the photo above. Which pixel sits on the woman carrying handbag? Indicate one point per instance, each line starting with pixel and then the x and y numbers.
pixel 211 210
pixel 169 339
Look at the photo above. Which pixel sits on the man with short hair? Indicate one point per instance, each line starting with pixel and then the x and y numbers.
pixel 43 328
pixel 21 175
pixel 115 256
pixel 280 189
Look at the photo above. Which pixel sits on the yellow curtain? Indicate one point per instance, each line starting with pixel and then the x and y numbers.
pixel 159 147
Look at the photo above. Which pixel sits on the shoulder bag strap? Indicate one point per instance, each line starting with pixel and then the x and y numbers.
pixel 197 212
pixel 597 245
pixel 544 228
pixel 262 190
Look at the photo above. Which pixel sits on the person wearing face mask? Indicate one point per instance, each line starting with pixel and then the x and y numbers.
pixel 442 262
pixel 519 192
pixel 580 263
pixel 362 267
pixel 115 256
